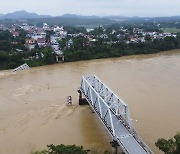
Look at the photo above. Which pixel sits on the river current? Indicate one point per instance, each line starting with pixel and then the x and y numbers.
pixel 33 110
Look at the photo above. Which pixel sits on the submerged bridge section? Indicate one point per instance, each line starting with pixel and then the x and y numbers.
pixel 114 114
pixel 22 67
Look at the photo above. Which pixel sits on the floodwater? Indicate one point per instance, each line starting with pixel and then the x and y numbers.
pixel 33 110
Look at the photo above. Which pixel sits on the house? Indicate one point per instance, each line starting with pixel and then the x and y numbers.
pixel 15 34
pixel 48 43
pixel 69 43
pixel 30 46
pixel 54 39
pixel 30 41
pixel 46 26
pixel 120 36
pixel 104 36
pixel 3 27
pixel 41 42
pixel 58 29
pixel 55 47
pixel 25 27
pixel 113 31
pixel 134 40
pixel 19 50
pixel 14 43
pixel 142 39
pixel 63 33
pixel 38 34
pixel 89 29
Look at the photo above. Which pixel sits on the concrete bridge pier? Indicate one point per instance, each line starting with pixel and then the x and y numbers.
pixel 82 101
pixel 116 149
pixel 115 146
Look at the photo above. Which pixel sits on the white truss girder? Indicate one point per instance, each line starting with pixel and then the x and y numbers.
pixel 114 114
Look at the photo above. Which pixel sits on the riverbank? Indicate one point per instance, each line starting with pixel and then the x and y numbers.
pixel 37 63
pixel 81 50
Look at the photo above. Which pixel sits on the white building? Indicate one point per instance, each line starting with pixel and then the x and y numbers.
pixel 39 36
pixel 46 26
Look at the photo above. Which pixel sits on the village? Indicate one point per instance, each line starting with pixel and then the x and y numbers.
pixel 50 36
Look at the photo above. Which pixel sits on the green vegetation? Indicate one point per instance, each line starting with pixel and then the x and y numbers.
pixel 45 56
pixel 171 146
pixel 36 57
pixel 63 149
pixel 10 57
pixel 67 149
pixel 102 49
pixel 74 30
pixel 171 30
pixel 71 21
pixel 102 42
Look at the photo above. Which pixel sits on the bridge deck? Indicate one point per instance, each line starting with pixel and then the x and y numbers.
pixel 114 114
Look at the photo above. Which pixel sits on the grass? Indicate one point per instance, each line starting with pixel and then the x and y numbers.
pixel 171 30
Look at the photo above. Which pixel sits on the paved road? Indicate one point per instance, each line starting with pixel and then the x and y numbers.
pixel 127 140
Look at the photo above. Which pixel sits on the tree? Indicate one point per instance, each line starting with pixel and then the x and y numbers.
pixel 75 30
pixel 171 146
pixel 49 56
pixel 48 34
pixel 79 42
pixel 5 45
pixel 22 36
pixel 62 43
pixel 63 149
pixel 5 35
pixel 3 56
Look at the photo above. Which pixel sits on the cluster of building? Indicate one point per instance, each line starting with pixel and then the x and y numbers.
pixel 136 35
pixel 139 35
pixel 38 36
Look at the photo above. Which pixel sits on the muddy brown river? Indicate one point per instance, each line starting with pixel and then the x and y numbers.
pixel 33 110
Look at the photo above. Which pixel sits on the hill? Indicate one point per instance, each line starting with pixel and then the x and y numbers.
pixel 86 21
pixel 22 15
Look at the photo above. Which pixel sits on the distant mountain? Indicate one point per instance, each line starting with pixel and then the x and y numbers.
pixel 22 15
pixel 66 19
pixel 70 16
pixel 26 15
pixel 79 16
pixel 79 20
pixel 143 19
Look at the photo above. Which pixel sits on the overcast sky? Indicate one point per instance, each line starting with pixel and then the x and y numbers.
pixel 143 8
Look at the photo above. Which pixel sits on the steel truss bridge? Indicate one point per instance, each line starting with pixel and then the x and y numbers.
pixel 114 114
